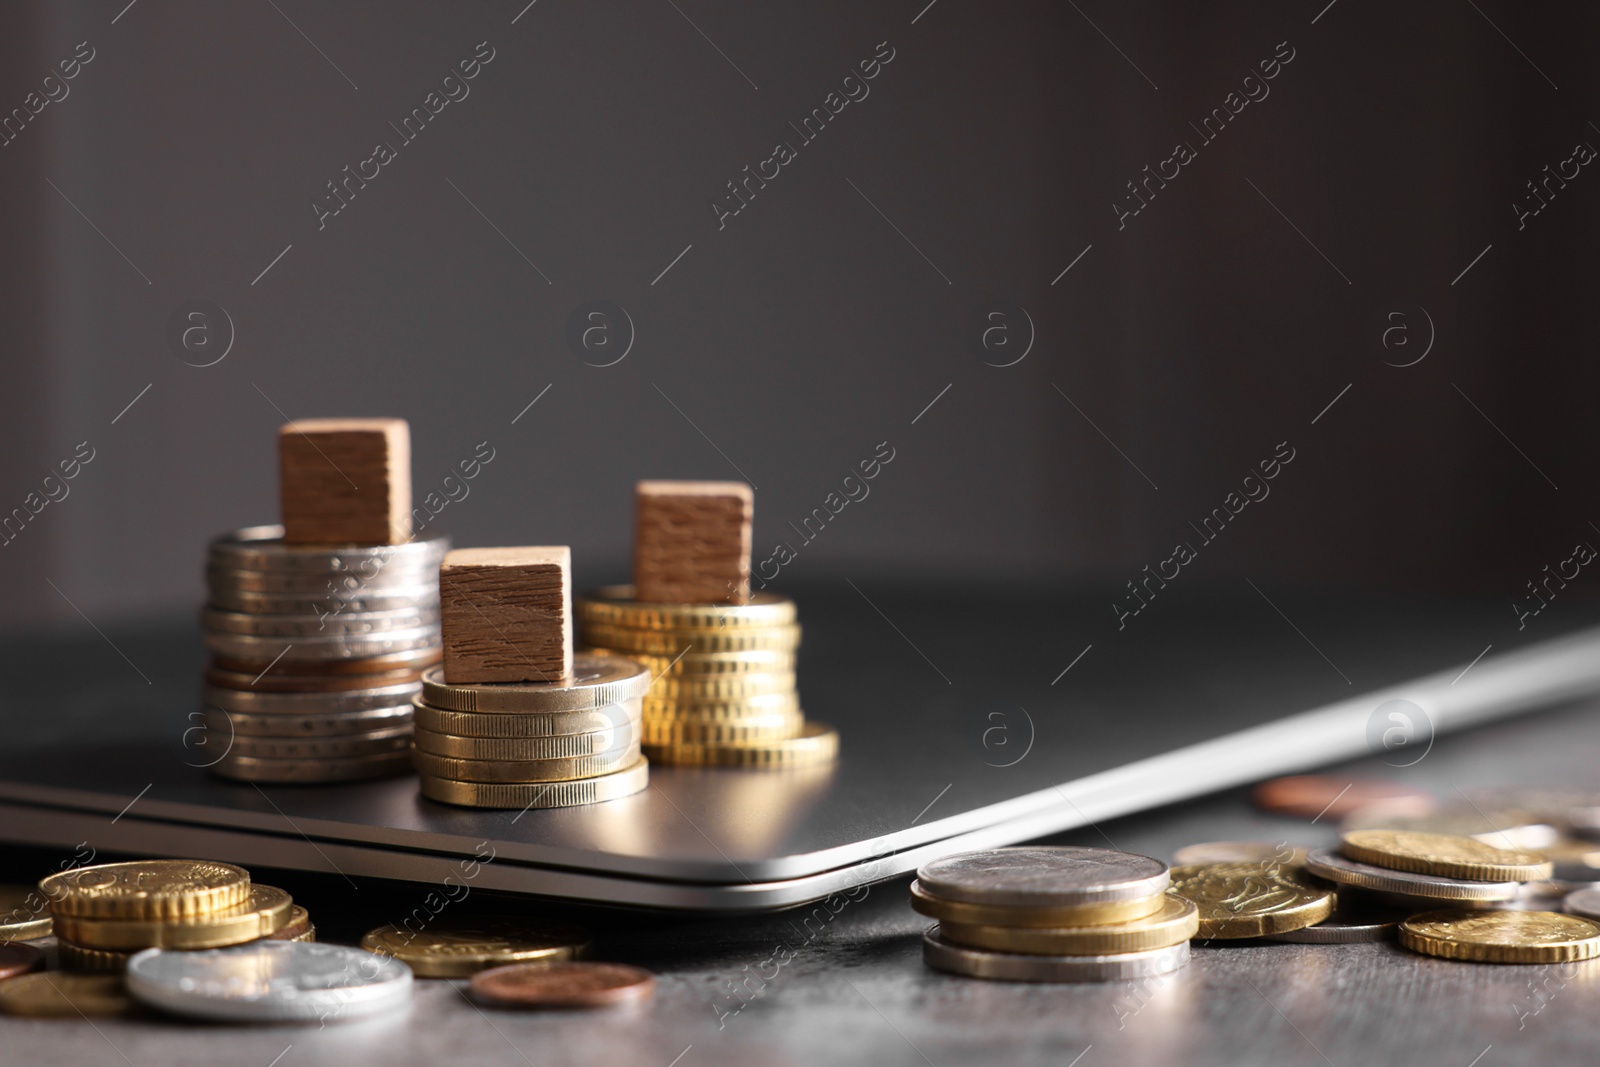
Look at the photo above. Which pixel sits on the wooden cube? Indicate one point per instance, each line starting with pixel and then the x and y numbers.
pixel 692 542
pixel 506 615
pixel 345 481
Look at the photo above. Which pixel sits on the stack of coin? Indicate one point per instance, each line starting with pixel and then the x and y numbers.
pixel 316 652
pixel 533 744
pixel 103 915
pixel 1416 871
pixel 724 684
pixel 1053 915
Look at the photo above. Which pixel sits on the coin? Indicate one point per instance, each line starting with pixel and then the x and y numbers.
pixel 597 681
pixel 671 642
pixel 266 910
pixel 305 684
pixel 1347 925
pixel 281 725
pixel 564 746
pixel 262 548
pixel 269 981
pixel 24 914
pixel 1252 899
pixel 348 769
pixel 1178 920
pixel 758 728
pixel 1238 852
pixel 1584 902
pixel 815 743
pixel 561 985
pixel 1314 796
pixel 253 603
pixel 1442 855
pixel 956 911
pixel 371 667
pixel 698 687
pixel 298 928
pixel 280 583
pixel 540 795
pixel 92 960
pixel 53 994
pixel 337 647
pixel 347 746
pixel 533 770
pixel 1573 859
pixel 458 949
pixel 722 710
pixel 347 623
pixel 1017 967
pixel 146 889
pixel 614 604
pixel 698 663
pixel 526 724
pixel 1326 863
pixel 18 959
pixel 339 702
pixel 1502 936
pixel 1043 876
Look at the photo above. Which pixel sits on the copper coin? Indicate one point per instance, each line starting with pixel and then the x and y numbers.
pixel 307 683
pixel 18 959
pixel 298 926
pixel 562 985
pixel 1332 797
pixel 419 659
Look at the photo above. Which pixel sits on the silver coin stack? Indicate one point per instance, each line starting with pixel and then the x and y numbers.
pixel 316 653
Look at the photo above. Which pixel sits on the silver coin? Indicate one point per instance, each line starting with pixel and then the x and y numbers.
pixel 1326 863
pixel 562 746
pixel 270 981
pixel 597 681
pixel 1044 877
pixel 348 769
pixel 225 724
pixel 1346 927
pixel 348 746
pixel 404 596
pixel 319 624
pixel 1015 967
pixel 261 548
pixel 1237 852
pixel 335 647
pixel 530 724
pixel 1585 902
pixel 319 584
pixel 258 702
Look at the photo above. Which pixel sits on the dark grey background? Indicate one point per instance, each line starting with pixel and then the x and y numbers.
pixel 1221 321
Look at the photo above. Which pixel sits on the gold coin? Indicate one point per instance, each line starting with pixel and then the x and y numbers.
pixel 1178 920
pixel 146 889
pixel 539 794
pixel 298 928
pixel 457 950
pixel 1443 855
pixel 816 743
pixel 671 642
pixel 563 746
pixel 1252 899
pixel 267 909
pixel 92 960
pixel 51 993
pixel 1502 936
pixel 614 605
pixel 696 687
pixel 743 731
pixel 764 661
pixel 707 710
pixel 525 723
pixel 529 770
pixel 956 911
pixel 24 914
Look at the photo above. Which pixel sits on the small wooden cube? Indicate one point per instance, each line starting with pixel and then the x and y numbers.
pixel 692 542
pixel 506 615
pixel 345 481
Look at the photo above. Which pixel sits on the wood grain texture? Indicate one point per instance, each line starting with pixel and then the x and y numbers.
pixel 345 481
pixel 692 542
pixel 506 614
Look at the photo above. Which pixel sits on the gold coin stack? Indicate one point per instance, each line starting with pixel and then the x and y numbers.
pixel 724 678
pixel 102 915
pixel 316 652
pixel 533 744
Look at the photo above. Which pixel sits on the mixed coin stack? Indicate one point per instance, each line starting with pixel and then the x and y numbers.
pixel 316 653
pixel 533 744
pixel 1053 915
pixel 103 915
pixel 724 678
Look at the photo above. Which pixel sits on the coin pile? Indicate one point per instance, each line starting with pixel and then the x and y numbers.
pixel 1053 914
pixel 533 744
pixel 724 684
pixel 103 915
pixel 316 652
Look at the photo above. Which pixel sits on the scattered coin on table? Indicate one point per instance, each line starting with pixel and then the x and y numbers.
pixel 562 985
pixel 269 981
pixel 460 949
pixel 1317 797
pixel 64 996
pixel 1443 855
pixel 17 959
pixel 1502 936
pixel 1252 899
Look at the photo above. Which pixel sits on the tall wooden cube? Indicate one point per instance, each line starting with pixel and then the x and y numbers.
pixel 506 614
pixel 345 481
pixel 692 542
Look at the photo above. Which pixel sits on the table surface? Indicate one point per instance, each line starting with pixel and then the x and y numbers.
pixel 856 990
